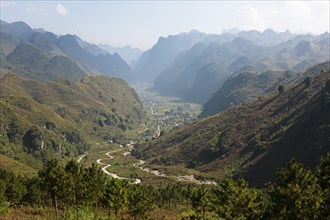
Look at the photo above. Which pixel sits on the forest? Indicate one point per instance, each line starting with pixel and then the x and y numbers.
pixel 70 191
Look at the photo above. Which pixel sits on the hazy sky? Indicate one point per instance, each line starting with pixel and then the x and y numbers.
pixel 140 23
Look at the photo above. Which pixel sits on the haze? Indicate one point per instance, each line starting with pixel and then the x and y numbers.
pixel 141 23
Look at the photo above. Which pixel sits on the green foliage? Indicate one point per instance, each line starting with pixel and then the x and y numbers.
pixel 235 200
pixel 323 177
pixel 74 192
pixel 95 182
pixel 201 201
pixel 296 194
pixel 140 201
pixel 12 189
pixel 32 139
pixel 115 197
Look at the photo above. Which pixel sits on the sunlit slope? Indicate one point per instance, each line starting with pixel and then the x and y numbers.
pixel 62 118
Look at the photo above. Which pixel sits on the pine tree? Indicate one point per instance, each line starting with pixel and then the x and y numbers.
pixel 140 200
pixel 54 180
pixel 296 195
pixel 95 181
pixel 323 178
pixel 235 200
pixel 115 196
pixel 201 201
pixel 76 184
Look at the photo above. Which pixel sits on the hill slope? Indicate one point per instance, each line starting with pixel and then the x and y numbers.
pixel 252 139
pixel 60 119
pixel 248 86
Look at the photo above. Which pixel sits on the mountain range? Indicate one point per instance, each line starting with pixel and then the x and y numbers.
pixel 199 72
pixel 43 55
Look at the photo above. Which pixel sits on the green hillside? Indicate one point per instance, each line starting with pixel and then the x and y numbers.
pixel 251 139
pixel 39 121
pixel 248 86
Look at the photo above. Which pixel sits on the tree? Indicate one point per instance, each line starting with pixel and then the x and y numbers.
pixel 54 181
pixel 296 195
pixel 95 181
pixel 34 195
pixel 307 81
pixel 280 89
pixel 76 184
pixel 201 200
pixel 140 200
pixel 115 196
pixel 323 178
pixel 12 186
pixel 235 200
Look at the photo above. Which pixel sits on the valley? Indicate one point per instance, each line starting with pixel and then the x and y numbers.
pixel 197 125
pixel 163 114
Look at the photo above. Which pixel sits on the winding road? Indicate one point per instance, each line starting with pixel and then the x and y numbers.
pixel 106 166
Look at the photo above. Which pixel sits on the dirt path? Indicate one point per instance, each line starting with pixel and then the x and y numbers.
pixel 187 178
pixel 81 157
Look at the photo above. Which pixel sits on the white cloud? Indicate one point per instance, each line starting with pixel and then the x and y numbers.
pixel 298 16
pixel 61 9
pixel 248 17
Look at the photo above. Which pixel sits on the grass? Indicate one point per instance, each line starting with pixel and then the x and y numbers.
pixel 15 166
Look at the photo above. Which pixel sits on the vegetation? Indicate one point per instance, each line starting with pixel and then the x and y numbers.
pixel 79 193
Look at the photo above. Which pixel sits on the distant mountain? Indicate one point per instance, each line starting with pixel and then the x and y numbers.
pixel 43 120
pixel 89 47
pixel 19 29
pixel 251 140
pixel 248 86
pixel 184 77
pixel 154 61
pixel 129 54
pixel 267 38
pixel 31 62
pixel 8 42
pixel 89 58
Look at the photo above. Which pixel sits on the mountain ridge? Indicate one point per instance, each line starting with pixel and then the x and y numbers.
pixel 67 46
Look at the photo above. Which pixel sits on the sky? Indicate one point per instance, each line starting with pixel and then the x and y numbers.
pixel 141 23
